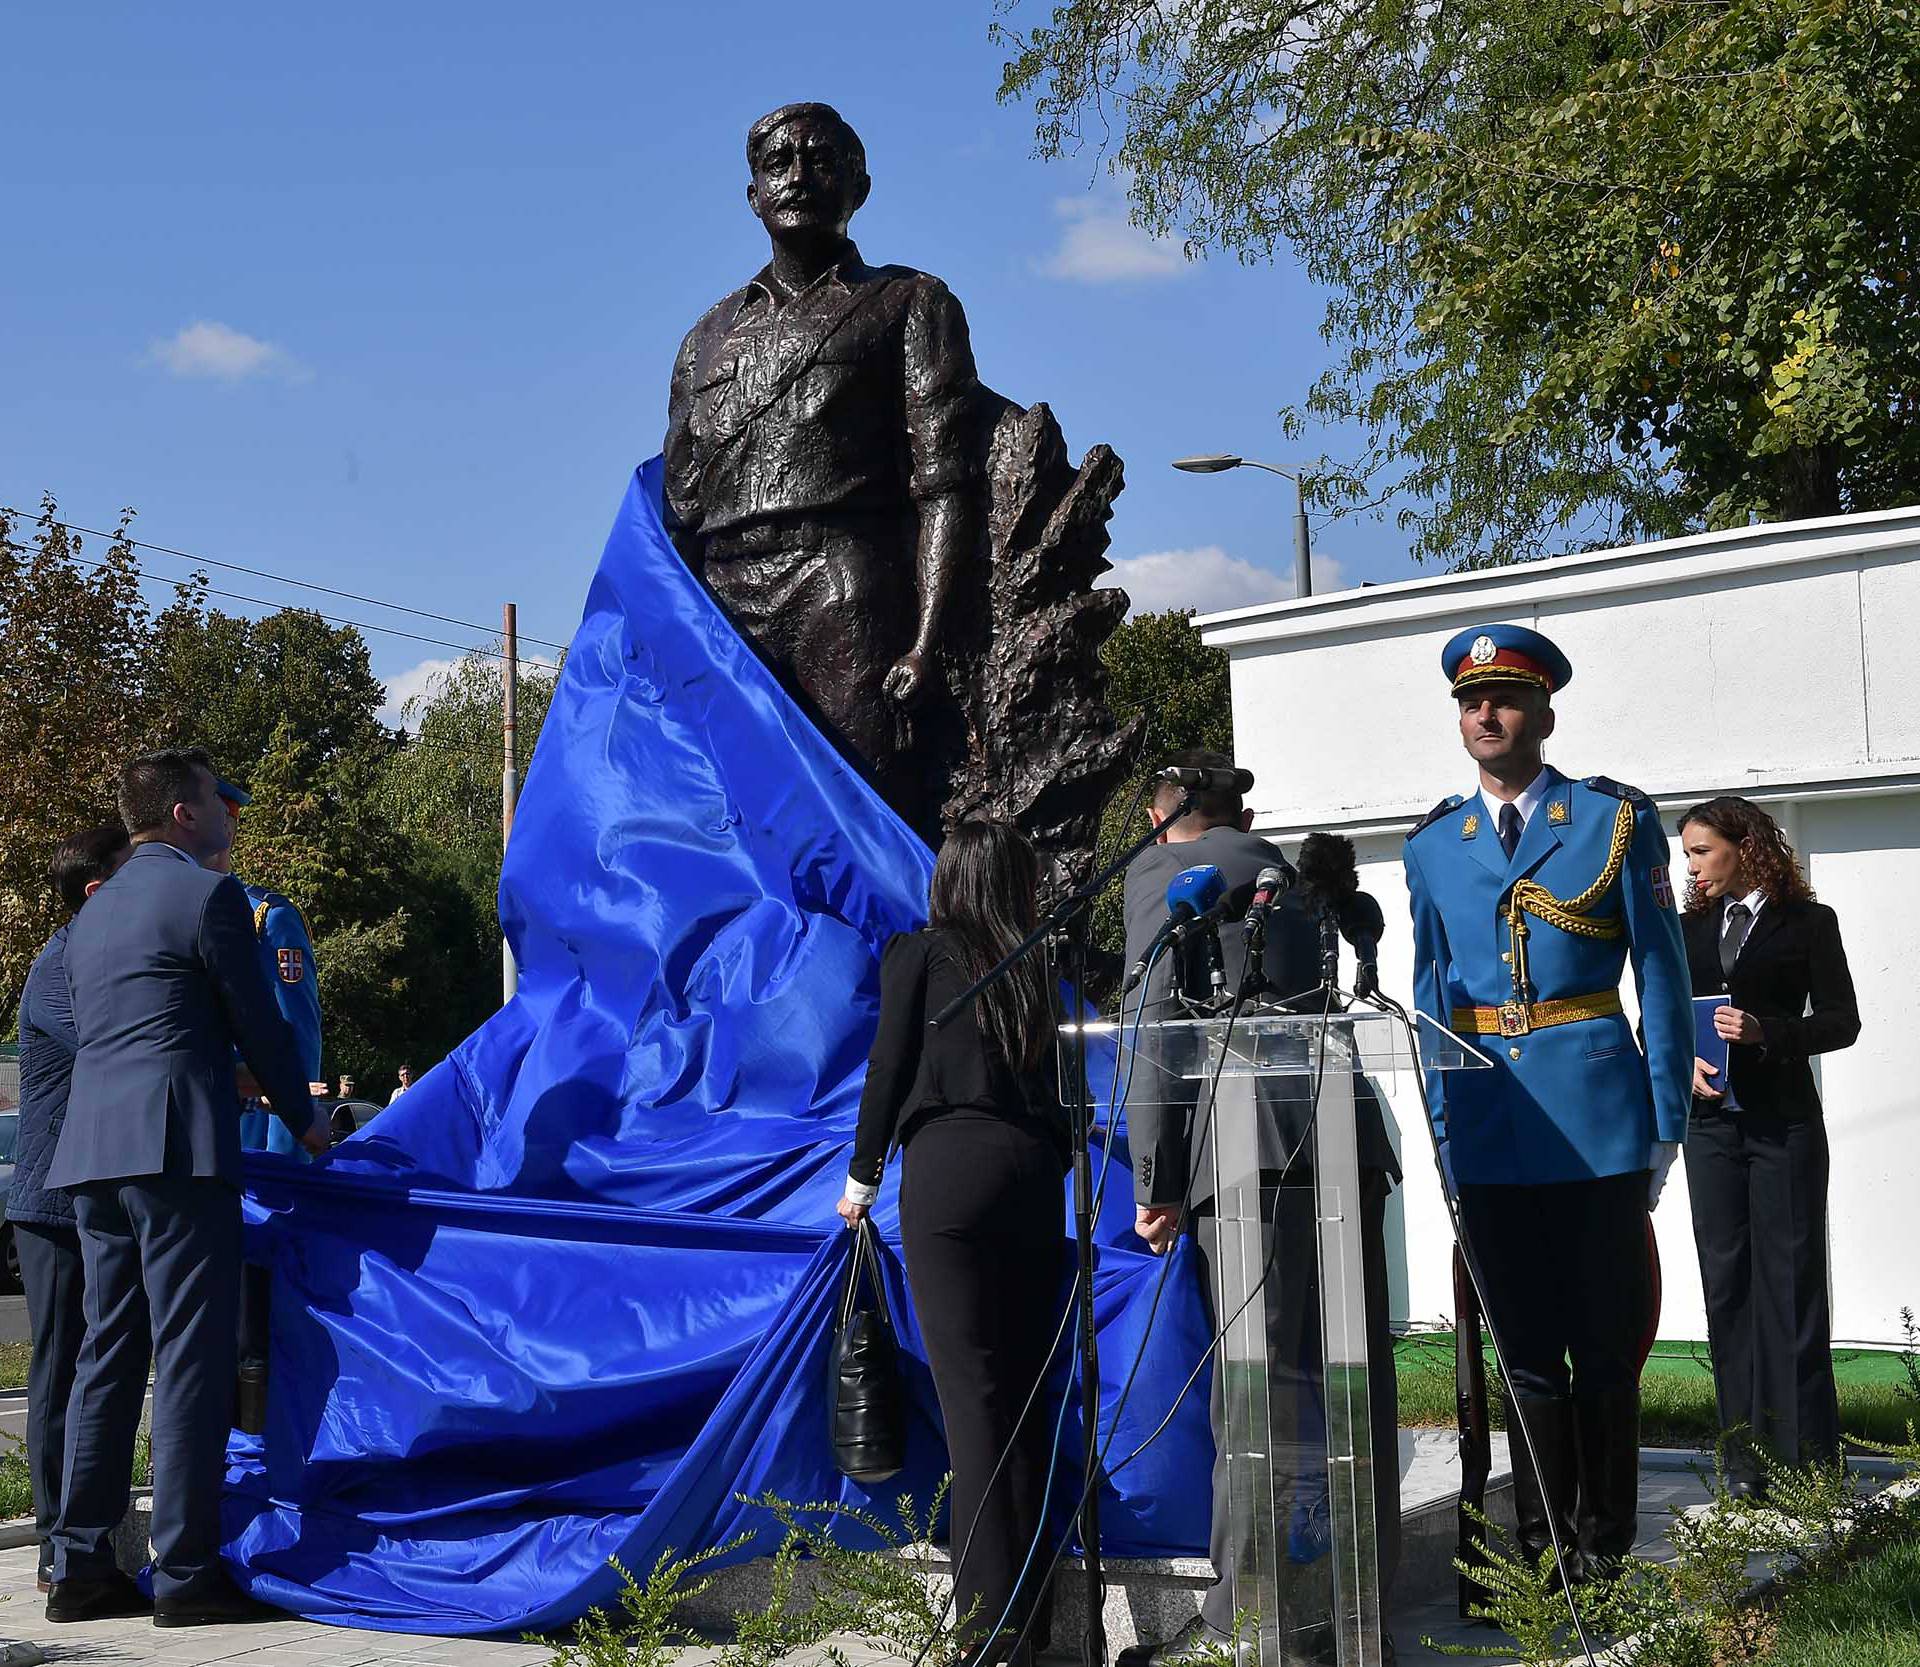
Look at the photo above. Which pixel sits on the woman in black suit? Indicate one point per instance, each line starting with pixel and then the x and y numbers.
pixel 982 1216
pixel 1756 1150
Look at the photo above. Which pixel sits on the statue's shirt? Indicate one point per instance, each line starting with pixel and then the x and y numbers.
pixel 852 397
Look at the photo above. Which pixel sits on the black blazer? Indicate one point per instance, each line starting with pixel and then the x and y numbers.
pixel 914 1072
pixel 1792 976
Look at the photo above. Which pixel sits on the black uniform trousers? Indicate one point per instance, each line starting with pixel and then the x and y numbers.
pixel 53 1278
pixel 163 1283
pixel 981 1223
pixel 1567 1277
pixel 1568 1287
pixel 1758 1185
pixel 1293 1334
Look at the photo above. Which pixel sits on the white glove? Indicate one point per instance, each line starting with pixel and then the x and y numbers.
pixel 1660 1160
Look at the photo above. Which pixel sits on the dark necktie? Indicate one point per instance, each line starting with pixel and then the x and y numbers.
pixel 1739 922
pixel 1509 829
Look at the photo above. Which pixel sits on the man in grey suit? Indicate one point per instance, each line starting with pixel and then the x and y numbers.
pixel 1173 1163
pixel 167 980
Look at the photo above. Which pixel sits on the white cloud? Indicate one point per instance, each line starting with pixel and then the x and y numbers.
pixel 1206 579
pixel 415 681
pixel 219 353
pixel 1099 245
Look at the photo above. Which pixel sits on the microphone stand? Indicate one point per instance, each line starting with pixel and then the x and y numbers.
pixel 1070 915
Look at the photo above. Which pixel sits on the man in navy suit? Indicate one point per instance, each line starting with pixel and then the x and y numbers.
pixel 167 981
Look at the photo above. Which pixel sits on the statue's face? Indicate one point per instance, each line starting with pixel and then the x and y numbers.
pixel 804 182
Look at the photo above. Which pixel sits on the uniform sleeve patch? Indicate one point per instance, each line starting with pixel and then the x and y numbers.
pixel 1662 881
pixel 293 964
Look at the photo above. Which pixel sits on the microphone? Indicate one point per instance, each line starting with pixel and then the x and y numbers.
pixel 1207 781
pixel 1268 889
pixel 1193 895
pixel 1330 887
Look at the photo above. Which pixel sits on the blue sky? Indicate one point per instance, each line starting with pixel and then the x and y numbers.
pixel 386 296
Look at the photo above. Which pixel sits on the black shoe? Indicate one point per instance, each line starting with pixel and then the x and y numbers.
pixel 218 1603
pixel 1608 1432
pixel 102 1598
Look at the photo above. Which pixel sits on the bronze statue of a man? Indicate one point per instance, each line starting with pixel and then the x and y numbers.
pixel 822 464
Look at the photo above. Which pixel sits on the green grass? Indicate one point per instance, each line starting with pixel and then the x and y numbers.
pixel 1870 1617
pixel 1676 1391
pixel 14 1359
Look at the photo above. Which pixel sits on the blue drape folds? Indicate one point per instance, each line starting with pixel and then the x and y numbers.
pixel 571 1294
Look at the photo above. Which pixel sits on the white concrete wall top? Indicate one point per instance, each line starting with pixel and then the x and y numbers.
pixel 1766 657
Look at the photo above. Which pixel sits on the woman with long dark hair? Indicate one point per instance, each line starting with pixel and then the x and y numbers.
pixel 975 1110
pixel 1756 1150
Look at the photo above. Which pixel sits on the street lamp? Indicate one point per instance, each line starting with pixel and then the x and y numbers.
pixel 1213 463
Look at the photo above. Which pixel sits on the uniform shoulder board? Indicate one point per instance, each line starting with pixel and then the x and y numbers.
pixel 1618 790
pixel 273 900
pixel 1451 802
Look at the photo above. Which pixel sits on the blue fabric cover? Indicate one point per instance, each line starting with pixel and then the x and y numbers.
pixel 572 1293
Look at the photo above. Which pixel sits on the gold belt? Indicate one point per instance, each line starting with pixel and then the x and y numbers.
pixel 1517 1018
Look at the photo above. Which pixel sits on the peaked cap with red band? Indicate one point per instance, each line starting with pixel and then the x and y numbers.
pixel 1504 654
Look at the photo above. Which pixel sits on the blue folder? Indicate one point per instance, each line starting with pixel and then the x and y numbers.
pixel 1709 1045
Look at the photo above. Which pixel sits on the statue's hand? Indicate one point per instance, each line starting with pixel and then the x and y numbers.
pixel 907 682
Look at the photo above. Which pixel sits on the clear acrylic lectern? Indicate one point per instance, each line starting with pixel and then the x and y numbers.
pixel 1272 1103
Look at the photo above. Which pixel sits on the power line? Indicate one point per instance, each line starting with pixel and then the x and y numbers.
pixel 332 619
pixel 263 573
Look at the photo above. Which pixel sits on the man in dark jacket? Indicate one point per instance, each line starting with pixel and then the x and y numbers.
pixel 1173 1184
pixel 167 981
pixel 43 1229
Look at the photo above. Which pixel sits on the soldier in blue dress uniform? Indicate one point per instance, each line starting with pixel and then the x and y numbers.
pixel 288 949
pixel 1530 897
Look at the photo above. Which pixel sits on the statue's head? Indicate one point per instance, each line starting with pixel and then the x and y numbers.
pixel 809 172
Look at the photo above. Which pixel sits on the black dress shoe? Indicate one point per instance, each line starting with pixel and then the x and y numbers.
pixel 99 1599
pixel 218 1603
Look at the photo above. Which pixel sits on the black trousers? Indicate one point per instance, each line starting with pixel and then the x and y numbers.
pixel 163 1283
pixel 1568 1284
pixel 981 1223
pixel 1567 1274
pixel 1758 1185
pixel 1293 1334
pixel 54 1279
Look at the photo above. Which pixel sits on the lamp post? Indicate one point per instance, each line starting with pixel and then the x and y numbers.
pixel 1215 463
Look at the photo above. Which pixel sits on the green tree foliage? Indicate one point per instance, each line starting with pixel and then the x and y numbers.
pixel 1596 268
pixel 443 786
pixel 389 846
pixel 73 637
pixel 1157 668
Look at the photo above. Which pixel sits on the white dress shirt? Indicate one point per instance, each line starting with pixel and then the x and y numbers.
pixel 1753 900
pixel 1527 802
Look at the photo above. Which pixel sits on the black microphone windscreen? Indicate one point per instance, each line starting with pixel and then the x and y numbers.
pixel 1328 872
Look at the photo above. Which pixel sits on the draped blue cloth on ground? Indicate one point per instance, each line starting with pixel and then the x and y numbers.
pixel 572 1293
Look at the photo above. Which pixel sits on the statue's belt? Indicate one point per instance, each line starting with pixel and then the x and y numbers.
pixel 859 528
pixel 1515 1018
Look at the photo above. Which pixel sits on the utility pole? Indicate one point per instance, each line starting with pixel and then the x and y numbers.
pixel 509 776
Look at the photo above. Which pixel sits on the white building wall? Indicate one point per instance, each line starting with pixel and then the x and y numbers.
pixel 1780 662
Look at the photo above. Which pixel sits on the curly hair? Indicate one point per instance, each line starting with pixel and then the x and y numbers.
pixel 1768 858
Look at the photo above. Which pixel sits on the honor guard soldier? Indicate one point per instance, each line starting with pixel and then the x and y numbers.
pixel 1529 897
pixel 288 949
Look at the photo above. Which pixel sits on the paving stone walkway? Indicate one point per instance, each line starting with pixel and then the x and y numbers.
pixel 297 1643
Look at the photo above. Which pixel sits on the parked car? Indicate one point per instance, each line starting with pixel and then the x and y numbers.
pixel 9 1252
pixel 349 1117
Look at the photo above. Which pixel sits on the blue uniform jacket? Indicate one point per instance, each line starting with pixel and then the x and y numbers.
pixel 47 1047
pixel 288 951
pixel 167 980
pixel 1571 1101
